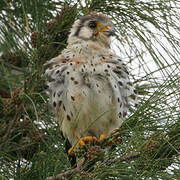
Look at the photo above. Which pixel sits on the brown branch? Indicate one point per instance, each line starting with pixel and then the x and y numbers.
pixel 69 172
pixel 131 156
pixel 14 67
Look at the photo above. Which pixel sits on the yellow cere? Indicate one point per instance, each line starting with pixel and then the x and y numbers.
pixel 104 28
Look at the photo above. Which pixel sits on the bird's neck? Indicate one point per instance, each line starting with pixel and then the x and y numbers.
pixel 88 48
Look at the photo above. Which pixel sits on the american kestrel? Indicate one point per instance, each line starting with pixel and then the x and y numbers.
pixel 89 86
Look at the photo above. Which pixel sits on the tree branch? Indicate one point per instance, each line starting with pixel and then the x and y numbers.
pixel 14 67
pixel 131 156
pixel 69 172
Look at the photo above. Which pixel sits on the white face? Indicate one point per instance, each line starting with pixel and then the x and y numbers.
pixel 93 27
pixel 85 32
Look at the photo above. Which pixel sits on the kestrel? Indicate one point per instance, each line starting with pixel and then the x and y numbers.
pixel 89 86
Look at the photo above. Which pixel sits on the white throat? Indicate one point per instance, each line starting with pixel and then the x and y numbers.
pixel 87 50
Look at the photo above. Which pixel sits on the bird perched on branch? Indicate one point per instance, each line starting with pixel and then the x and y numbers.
pixel 89 86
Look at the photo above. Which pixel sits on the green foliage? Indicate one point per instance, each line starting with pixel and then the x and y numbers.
pixel 31 145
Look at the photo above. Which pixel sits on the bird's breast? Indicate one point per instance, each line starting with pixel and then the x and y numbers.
pixel 90 94
pixel 89 103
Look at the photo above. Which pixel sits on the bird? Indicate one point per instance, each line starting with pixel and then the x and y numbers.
pixel 88 84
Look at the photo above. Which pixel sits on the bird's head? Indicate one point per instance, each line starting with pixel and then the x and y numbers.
pixel 95 27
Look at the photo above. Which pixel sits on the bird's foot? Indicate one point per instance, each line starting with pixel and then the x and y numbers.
pixel 85 140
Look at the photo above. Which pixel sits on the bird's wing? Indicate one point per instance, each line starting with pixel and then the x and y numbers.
pixel 125 93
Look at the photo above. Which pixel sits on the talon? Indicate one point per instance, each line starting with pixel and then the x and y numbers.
pixel 86 139
pixel 70 150
pixel 102 136
pixel 82 141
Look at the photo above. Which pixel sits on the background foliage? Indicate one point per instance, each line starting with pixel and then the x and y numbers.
pixel 147 38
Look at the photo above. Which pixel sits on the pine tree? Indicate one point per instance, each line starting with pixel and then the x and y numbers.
pixel 147 145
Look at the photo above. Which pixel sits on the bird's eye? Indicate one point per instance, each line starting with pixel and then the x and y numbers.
pixel 92 24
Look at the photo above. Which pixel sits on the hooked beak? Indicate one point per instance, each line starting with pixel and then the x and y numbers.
pixel 109 31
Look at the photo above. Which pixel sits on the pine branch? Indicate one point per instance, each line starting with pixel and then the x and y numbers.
pixel 69 172
pixel 128 157
pixel 14 67
pixel 5 137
